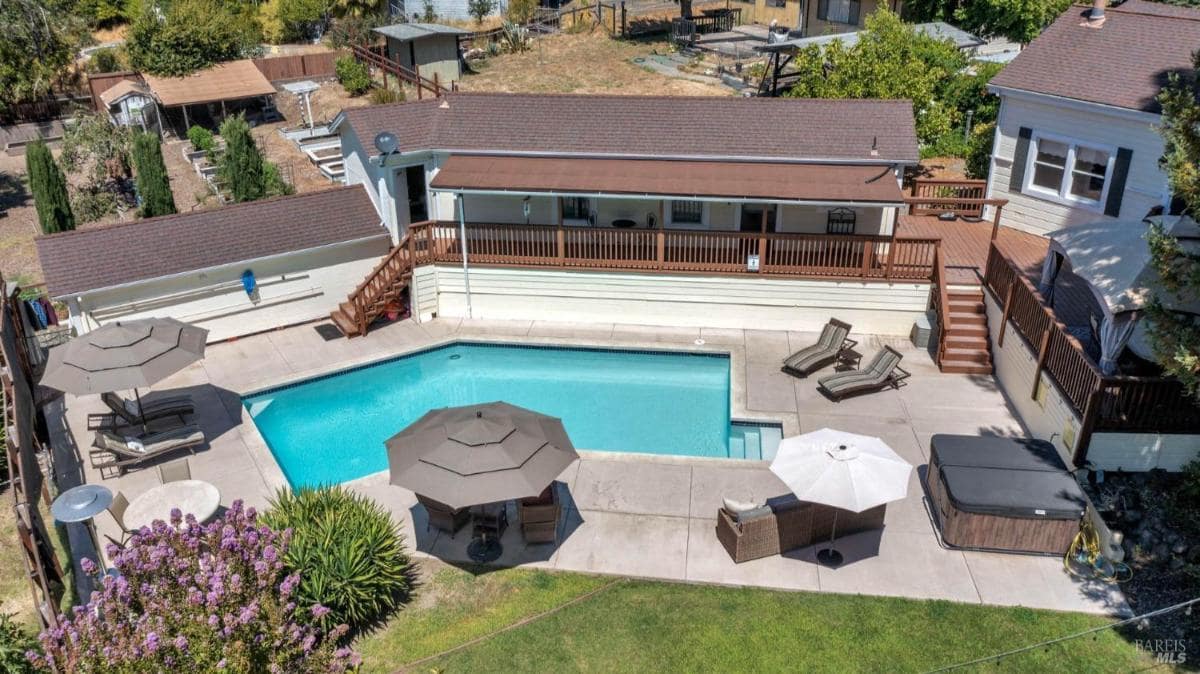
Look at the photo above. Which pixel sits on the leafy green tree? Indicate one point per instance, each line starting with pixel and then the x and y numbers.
pixel 979 150
pixel 292 20
pixel 193 34
pixel 353 29
pixel 480 9
pixel 1018 20
pixel 37 43
pixel 101 13
pixel 353 75
pixel 891 60
pixel 1175 337
pixel 105 61
pixel 49 188
pixel 241 165
pixel 153 185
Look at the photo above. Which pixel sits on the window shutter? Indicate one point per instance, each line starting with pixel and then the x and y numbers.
pixel 1020 157
pixel 822 9
pixel 1116 189
pixel 855 8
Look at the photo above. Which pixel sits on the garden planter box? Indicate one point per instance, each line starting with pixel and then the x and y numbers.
pixel 1006 494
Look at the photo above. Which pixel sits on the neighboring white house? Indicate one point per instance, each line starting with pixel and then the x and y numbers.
pixel 1076 139
pixel 305 253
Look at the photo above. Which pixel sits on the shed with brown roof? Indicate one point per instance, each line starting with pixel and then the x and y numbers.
pixel 231 81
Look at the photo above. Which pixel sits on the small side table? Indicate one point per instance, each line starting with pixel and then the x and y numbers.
pixel 848 359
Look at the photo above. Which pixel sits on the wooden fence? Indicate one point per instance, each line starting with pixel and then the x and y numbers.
pixel 964 197
pixel 1104 402
pixel 298 66
pixel 741 253
pixel 386 66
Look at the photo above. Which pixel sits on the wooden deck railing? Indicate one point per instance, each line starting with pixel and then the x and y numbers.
pixel 371 296
pixel 747 253
pixel 964 198
pixel 379 60
pixel 940 299
pixel 1104 402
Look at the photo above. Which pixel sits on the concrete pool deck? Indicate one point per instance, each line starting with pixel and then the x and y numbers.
pixel 640 515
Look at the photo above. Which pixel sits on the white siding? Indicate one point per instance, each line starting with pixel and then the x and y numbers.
pixel 1142 451
pixel 678 300
pixel 805 219
pixel 424 292
pixel 295 288
pixel 509 209
pixel 1144 187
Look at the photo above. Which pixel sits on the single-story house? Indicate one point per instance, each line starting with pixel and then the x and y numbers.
pixel 1079 144
pixel 235 270
pixel 427 49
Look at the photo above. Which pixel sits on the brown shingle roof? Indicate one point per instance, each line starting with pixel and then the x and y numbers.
pixel 223 82
pixel 647 126
pixel 1123 63
pixel 755 180
pixel 121 89
pixel 90 259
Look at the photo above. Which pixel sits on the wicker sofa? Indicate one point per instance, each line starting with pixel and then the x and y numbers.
pixel 787 523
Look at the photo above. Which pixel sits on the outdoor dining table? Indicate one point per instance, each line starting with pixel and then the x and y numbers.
pixel 196 497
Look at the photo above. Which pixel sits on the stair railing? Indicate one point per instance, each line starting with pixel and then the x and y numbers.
pixel 367 296
pixel 941 300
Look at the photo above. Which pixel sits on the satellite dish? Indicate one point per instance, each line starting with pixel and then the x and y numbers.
pixel 386 142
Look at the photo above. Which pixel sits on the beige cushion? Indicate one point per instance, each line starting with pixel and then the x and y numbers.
pixel 737 507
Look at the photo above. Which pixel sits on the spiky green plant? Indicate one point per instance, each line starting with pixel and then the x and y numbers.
pixel 49 188
pixel 348 551
pixel 152 182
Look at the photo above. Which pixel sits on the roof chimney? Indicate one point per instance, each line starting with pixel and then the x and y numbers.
pixel 1095 17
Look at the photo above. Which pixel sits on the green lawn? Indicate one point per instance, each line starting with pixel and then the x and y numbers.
pixel 640 626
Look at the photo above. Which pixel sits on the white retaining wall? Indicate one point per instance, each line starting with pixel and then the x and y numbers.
pixel 668 299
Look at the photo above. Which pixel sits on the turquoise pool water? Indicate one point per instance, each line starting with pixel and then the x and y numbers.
pixel 331 429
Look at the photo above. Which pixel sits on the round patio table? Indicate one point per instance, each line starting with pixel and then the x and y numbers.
pixel 191 496
pixel 78 505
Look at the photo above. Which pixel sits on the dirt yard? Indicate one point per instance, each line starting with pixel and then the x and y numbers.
pixel 584 63
pixel 18 223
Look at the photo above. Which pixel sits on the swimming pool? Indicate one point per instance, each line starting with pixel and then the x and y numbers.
pixel 331 428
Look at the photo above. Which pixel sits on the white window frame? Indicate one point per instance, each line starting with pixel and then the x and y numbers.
pixel 1063 195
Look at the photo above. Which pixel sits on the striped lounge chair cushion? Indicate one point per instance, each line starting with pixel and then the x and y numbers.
pixel 824 350
pixel 874 374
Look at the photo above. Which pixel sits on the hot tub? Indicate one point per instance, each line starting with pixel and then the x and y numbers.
pixel 1007 494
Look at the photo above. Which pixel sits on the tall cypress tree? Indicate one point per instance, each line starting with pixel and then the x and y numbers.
pixel 153 185
pixel 49 189
pixel 241 167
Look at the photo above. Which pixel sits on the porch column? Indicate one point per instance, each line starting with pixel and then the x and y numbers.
pixel 762 239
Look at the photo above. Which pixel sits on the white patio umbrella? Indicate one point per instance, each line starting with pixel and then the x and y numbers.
pixel 843 470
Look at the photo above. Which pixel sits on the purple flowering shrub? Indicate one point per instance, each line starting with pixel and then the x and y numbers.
pixel 201 597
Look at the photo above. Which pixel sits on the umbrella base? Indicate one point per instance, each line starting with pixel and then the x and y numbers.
pixel 829 557
pixel 484 550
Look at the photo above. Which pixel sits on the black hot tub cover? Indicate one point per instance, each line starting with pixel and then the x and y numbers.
pixel 1012 477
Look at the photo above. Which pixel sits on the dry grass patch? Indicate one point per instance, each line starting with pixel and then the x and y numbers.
pixel 584 63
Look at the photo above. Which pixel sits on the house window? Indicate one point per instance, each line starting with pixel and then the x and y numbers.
pixel 840 221
pixel 776 3
pixel 687 212
pixel 576 208
pixel 1068 171
pixel 839 11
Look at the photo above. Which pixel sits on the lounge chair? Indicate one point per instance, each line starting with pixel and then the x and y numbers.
pixel 132 451
pixel 834 339
pixel 883 371
pixel 125 412
pixel 539 517
pixel 443 517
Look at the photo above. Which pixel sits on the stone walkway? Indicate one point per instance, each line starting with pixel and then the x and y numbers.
pixel 640 515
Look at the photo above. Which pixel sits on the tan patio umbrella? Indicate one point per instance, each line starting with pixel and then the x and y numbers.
pixel 124 355
pixel 464 456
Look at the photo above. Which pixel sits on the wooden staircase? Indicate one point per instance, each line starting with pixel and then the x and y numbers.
pixel 382 287
pixel 966 348
pixel 963 344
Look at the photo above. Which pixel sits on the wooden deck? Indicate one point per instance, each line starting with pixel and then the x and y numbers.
pixel 965 246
